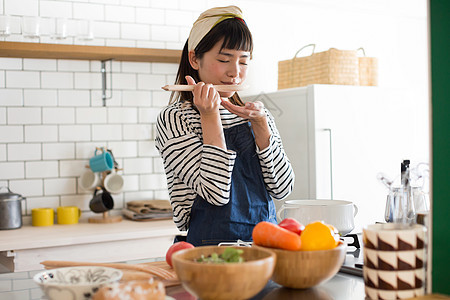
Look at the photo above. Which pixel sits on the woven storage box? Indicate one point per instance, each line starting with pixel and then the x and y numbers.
pixel 368 70
pixel 329 67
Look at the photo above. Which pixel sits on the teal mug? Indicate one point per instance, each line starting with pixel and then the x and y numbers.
pixel 101 162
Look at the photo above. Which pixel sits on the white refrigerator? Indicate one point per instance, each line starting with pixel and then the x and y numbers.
pixel 338 138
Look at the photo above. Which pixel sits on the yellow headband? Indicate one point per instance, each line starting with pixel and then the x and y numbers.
pixel 207 20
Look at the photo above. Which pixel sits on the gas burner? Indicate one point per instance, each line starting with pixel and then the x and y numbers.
pixel 355 242
pixel 353 263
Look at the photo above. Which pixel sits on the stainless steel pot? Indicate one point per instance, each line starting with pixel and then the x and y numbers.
pixel 10 209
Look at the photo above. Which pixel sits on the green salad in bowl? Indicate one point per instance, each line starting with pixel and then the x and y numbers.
pixel 230 255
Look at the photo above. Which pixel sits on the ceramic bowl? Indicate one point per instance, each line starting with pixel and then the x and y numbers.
pixel 304 269
pixel 226 280
pixel 75 283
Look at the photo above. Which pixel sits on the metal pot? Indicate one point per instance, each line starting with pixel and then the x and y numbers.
pixel 10 210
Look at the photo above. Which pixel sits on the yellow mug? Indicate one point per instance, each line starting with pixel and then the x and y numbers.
pixel 42 216
pixel 68 214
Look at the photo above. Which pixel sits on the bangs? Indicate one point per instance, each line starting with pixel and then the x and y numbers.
pixel 235 35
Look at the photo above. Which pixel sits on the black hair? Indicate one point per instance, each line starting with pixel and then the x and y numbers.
pixel 235 35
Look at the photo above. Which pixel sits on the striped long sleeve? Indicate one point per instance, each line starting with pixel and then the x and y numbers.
pixel 276 168
pixel 193 168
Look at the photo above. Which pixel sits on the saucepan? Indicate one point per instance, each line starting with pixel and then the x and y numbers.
pixel 339 213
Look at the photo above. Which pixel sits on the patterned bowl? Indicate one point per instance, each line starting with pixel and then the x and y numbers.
pixel 75 283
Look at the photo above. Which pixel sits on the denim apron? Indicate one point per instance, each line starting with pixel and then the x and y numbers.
pixel 249 204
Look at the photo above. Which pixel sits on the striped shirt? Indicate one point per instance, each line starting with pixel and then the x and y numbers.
pixel 193 168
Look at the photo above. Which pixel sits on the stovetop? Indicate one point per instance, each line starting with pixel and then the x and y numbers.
pixel 353 263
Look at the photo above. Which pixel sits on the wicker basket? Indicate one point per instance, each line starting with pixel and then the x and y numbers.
pixel 329 67
pixel 368 70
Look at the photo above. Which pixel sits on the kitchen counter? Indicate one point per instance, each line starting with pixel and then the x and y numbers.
pixel 340 287
pixel 23 249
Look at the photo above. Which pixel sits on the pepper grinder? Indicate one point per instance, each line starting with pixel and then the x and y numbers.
pixel 405 209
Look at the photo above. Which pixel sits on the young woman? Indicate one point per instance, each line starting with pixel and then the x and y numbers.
pixel 224 159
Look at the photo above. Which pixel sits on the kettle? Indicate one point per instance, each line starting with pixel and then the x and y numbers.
pixel 10 209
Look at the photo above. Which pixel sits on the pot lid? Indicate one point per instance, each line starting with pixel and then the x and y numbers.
pixel 5 196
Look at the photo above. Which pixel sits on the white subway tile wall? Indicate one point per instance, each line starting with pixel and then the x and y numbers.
pixel 11 63
pixel 39 64
pixel 22 79
pixel 40 98
pixel 2 153
pixel 33 187
pixel 55 9
pixel 2 79
pixel 51 111
pixel 22 152
pixel 2 115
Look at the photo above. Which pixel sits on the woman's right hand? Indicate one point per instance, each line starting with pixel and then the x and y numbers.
pixel 206 98
pixel 207 101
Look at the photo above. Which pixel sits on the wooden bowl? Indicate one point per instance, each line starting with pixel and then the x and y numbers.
pixel 224 281
pixel 304 269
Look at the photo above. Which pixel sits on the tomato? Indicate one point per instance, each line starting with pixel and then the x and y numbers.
pixel 174 248
pixel 292 225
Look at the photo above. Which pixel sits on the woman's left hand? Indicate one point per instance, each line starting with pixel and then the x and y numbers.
pixel 254 111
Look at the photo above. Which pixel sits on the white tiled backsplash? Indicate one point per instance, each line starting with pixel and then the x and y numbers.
pixel 51 113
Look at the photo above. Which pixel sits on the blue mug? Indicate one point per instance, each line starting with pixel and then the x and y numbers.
pixel 101 162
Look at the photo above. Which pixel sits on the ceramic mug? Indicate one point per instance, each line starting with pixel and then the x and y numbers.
pixel 42 216
pixel 68 215
pixel 101 201
pixel 113 183
pixel 101 162
pixel 341 214
pixel 89 180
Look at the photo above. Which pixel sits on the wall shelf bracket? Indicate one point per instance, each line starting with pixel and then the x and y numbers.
pixel 104 84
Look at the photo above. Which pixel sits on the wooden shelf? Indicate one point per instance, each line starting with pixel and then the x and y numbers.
pixel 79 52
